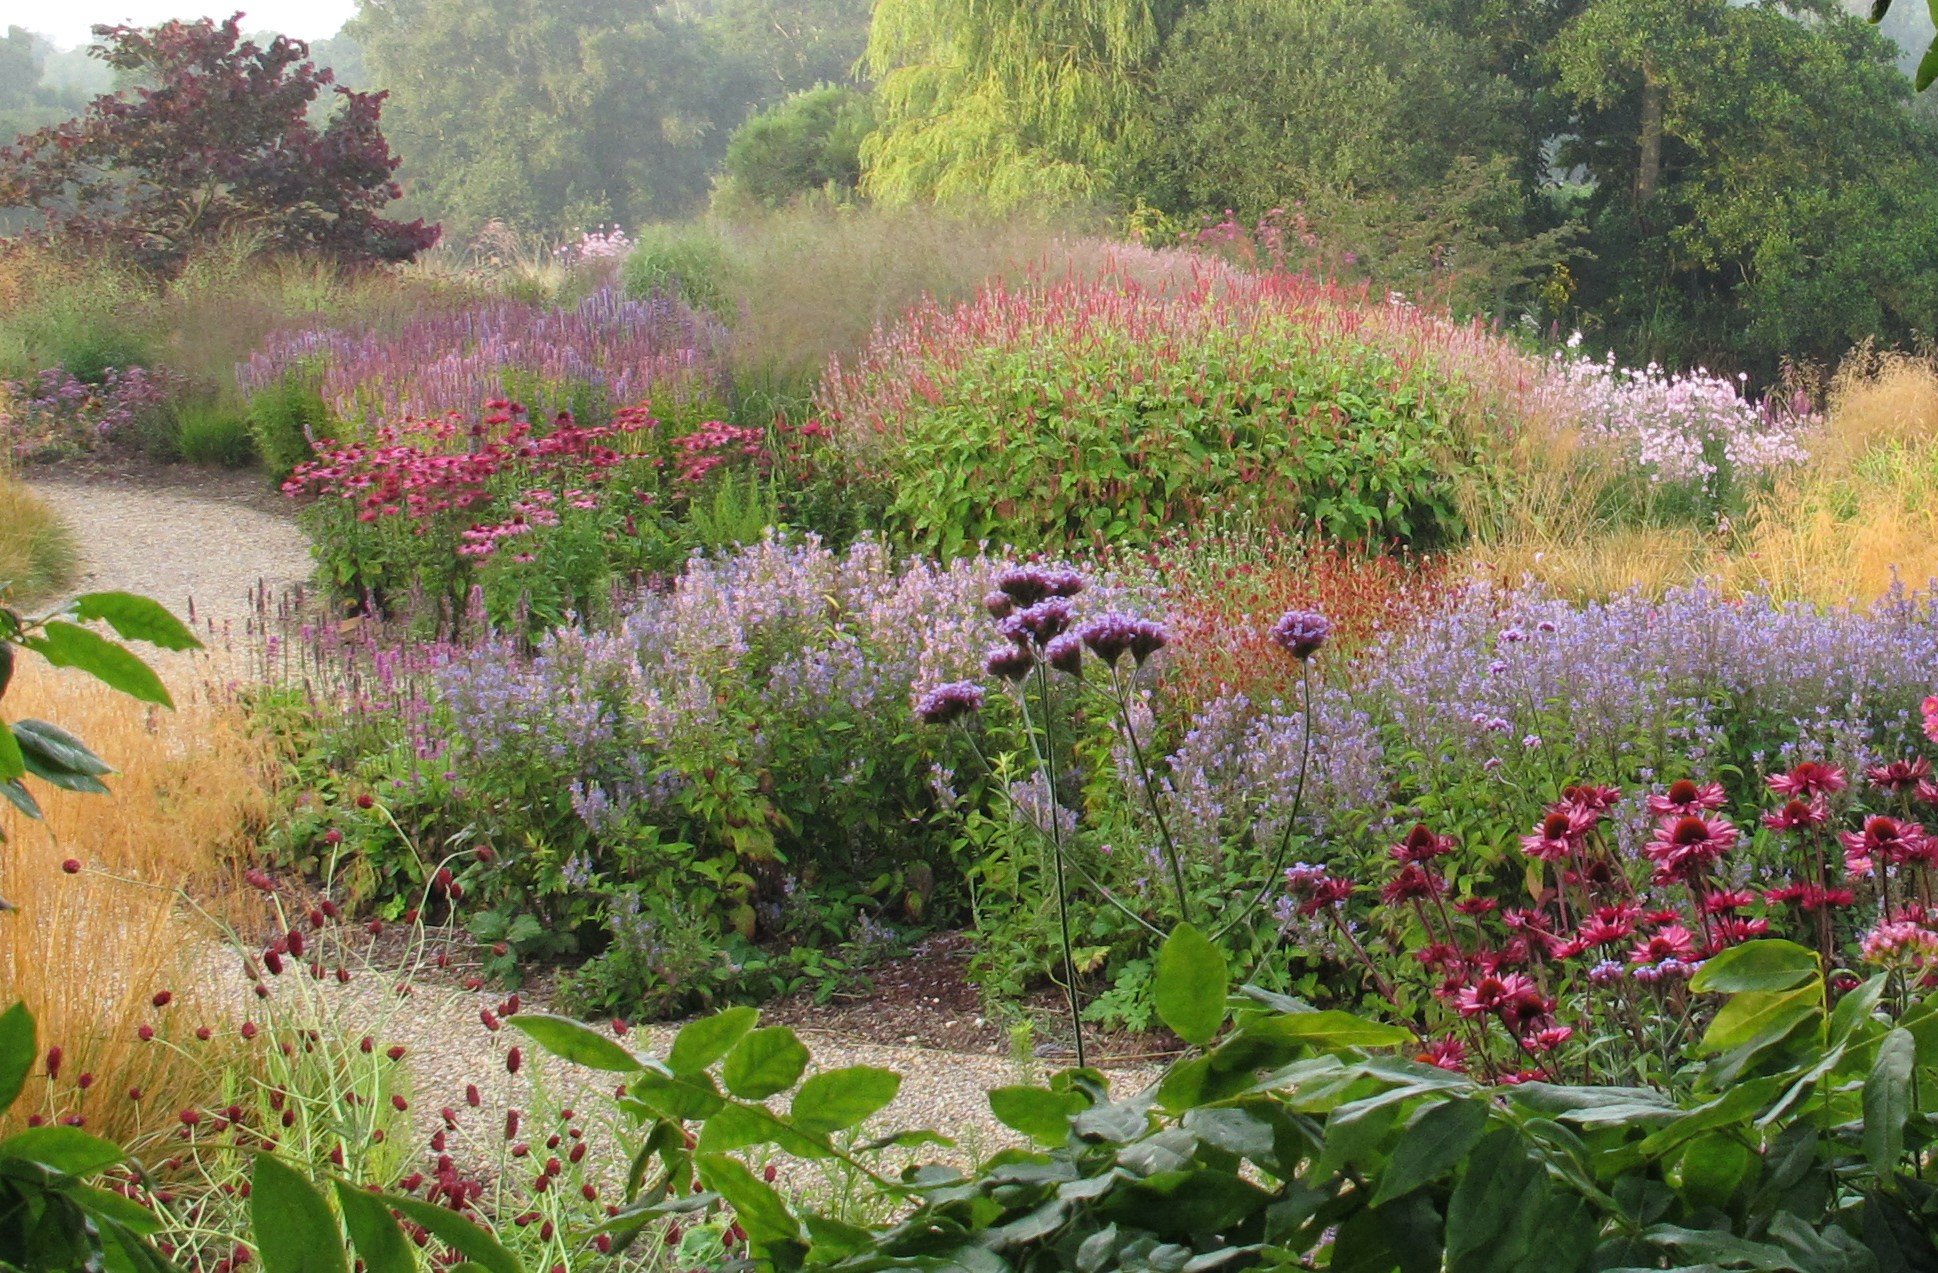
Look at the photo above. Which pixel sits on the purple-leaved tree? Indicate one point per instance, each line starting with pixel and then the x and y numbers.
pixel 215 139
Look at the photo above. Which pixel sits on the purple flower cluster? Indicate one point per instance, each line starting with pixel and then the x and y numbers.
pixel 604 353
pixel 61 414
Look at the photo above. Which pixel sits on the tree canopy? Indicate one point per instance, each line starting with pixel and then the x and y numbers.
pixel 215 138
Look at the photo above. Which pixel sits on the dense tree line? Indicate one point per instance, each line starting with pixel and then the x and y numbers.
pixel 1693 180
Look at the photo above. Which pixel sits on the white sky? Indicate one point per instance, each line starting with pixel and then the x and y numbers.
pixel 71 23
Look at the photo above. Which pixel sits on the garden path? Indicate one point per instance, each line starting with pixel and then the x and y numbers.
pixel 211 547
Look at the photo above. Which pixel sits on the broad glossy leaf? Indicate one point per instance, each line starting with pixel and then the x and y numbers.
pixel 835 1100
pixel 58 749
pixel 1596 1106
pixel 678 1098
pixel 454 1231
pixel 136 618
pixel 1761 1017
pixel 705 1041
pixel 1435 1140
pixel 12 763
pixel 1712 1167
pixel 1887 1101
pixel 18 1050
pixel 1190 985
pixel 576 1042
pixel 1721 1248
pixel 1770 964
pixel 374 1233
pixel 765 1063
pixel 1331 1029
pixel 294 1228
pixel 66 645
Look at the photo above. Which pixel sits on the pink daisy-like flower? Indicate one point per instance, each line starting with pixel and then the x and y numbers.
pixel 1685 847
pixel 1559 834
pixel 1685 798
pixel 1671 942
pixel 1809 779
pixel 1883 839
pixel 1900 775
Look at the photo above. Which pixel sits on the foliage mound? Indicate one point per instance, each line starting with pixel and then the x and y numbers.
pixel 1092 410
pixel 38 554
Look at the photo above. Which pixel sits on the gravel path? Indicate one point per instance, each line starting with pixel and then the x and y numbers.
pixel 215 549
pixel 206 551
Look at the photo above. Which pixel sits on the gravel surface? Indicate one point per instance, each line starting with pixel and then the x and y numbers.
pixel 210 548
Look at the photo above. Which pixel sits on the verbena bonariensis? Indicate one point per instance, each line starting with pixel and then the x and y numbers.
pixel 604 353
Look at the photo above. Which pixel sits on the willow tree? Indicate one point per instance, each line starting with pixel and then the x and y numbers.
pixel 1006 102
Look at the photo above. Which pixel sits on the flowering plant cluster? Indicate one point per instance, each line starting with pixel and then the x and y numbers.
pixel 60 415
pixel 542 519
pixel 603 354
pixel 601 243
pixel 1696 429
pixel 1107 408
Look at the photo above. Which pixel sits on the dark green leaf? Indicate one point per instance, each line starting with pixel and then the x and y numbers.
pixel 1887 1101
pixel 1501 1180
pixel 379 1241
pixel 576 1042
pixel 20 798
pixel 1927 68
pixel 1713 1167
pixel 67 1150
pixel 1761 1017
pixel 65 645
pixel 1436 1139
pixel 294 1228
pixel 705 1041
pixel 105 1204
pixel 456 1232
pixel 18 1050
pixel 1331 1029
pixel 1191 983
pixel 52 764
pixel 1770 964
pixel 1596 1106
pixel 136 619
pixel 835 1100
pixel 1037 1112
pixel 12 763
pixel 678 1098
pixel 1722 1248
pixel 765 1063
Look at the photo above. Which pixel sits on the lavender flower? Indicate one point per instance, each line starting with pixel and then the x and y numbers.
pixel 1027 585
pixel 1065 654
pixel 1010 662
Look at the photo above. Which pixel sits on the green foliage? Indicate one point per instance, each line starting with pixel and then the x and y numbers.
pixel 1287 1146
pixel 1093 414
pixel 284 420
pixel 637 108
pixel 1758 185
pixel 688 262
pixel 809 143
pixel 1013 104
pixel 213 433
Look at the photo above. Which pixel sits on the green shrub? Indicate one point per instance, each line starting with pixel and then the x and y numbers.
pixel 212 432
pixel 1089 412
pixel 810 142
pixel 687 262
pixel 284 420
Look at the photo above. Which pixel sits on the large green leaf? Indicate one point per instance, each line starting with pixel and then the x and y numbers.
pixel 67 1150
pixel 453 1230
pixel 1771 964
pixel 1330 1030
pixel 576 1042
pixel 18 1048
pixel 1596 1106
pixel 1887 1101
pixel 1037 1112
pixel 756 1205
pixel 136 618
pixel 58 749
pixel 66 645
pixel 295 1230
pixel 1438 1138
pixel 705 1041
pixel 12 762
pixel 676 1097
pixel 765 1063
pixel 374 1232
pixel 1191 984
pixel 835 1100
pixel 50 766
pixel 1761 1017
pixel 1501 1181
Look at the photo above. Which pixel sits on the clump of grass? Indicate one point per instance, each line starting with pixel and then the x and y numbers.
pixel 213 432
pixel 90 949
pixel 38 553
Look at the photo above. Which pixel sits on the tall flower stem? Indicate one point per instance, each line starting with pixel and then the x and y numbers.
pixel 1291 818
pixel 1121 693
pixel 1046 761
